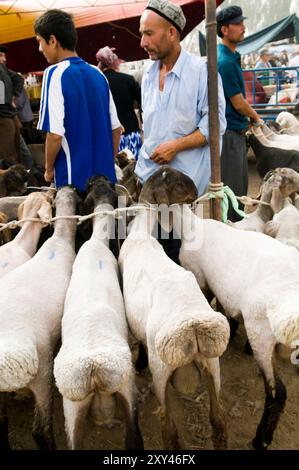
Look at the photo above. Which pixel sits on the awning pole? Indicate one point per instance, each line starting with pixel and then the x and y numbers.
pixel 211 34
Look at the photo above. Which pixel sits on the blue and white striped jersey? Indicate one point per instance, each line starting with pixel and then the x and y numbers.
pixel 75 104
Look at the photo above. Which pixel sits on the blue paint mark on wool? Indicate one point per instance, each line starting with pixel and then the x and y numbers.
pixel 3 264
pixel 101 264
pixel 51 254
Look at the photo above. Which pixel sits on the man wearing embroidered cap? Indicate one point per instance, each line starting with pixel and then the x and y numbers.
pixel 234 170
pixel 174 99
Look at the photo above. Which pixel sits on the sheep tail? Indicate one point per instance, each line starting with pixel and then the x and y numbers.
pixel 285 326
pixel 18 363
pixel 79 375
pixel 180 339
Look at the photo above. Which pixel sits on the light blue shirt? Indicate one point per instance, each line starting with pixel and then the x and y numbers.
pixel 179 110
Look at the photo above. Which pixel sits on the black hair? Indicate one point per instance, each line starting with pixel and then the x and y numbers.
pixel 219 32
pixel 59 24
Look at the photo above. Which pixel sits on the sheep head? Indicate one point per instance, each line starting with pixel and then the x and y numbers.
pixel 168 186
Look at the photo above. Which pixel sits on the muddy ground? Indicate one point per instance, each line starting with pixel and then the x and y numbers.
pixel 242 396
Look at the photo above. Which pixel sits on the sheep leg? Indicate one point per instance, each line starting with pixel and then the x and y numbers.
pixel 233 324
pixel 217 420
pixel 42 430
pixel 75 413
pixel 263 346
pixel 161 379
pixel 4 443
pixel 169 429
pixel 127 399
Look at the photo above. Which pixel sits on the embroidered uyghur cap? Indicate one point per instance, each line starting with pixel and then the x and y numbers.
pixel 169 11
pixel 107 58
pixel 230 15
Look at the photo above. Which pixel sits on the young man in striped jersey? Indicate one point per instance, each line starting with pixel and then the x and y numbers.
pixel 77 109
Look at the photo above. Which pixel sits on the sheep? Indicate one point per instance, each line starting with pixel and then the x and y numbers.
pixel 94 362
pixel 24 245
pixel 230 262
pixel 130 180
pixel 31 307
pixel 269 311
pixel 13 181
pixel 288 122
pixel 5 234
pixel 124 157
pixel 280 140
pixel 9 206
pixel 170 316
pixel 256 220
pixel 285 225
pixel 269 158
pixel 268 139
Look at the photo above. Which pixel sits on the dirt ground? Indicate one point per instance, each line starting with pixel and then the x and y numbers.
pixel 242 396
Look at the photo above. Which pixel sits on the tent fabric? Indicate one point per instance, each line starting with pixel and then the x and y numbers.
pixel 285 28
pixel 99 23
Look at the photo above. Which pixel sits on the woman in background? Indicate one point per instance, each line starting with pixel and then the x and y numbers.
pixel 127 96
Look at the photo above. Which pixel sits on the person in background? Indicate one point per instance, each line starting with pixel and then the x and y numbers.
pixel 284 58
pixel 294 62
pixel 126 93
pixel 77 109
pixel 234 169
pixel 263 62
pixel 26 117
pixel 11 84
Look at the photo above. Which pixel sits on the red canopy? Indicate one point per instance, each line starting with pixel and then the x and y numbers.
pixel 108 22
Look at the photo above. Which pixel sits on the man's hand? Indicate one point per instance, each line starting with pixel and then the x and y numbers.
pixel 164 153
pixel 49 175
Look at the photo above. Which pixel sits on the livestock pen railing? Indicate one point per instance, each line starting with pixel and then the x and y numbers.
pixel 272 90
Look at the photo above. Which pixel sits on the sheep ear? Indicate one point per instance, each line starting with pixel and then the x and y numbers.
pixel 45 212
pixel 20 211
pixel 50 195
pixel 276 202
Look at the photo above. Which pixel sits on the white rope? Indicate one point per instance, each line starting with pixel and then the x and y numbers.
pixel 17 223
pixel 246 200
pixel 42 188
pixel 81 218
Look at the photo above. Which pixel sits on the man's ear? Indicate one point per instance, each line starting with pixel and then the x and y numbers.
pixel 53 41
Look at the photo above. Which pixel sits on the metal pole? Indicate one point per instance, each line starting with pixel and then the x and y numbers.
pixel 211 34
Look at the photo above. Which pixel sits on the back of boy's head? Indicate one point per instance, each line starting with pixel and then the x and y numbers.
pixel 59 24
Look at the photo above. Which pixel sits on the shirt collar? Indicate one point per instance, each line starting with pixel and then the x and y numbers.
pixel 177 68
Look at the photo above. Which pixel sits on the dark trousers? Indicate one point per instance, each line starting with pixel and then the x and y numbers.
pixel 10 140
pixel 234 167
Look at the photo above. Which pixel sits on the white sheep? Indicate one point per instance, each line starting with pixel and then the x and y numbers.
pixel 255 221
pixel 289 123
pixel 290 143
pixel 31 307
pixel 257 278
pixel 169 315
pixel 94 362
pixel 280 138
pixel 285 225
pixel 24 245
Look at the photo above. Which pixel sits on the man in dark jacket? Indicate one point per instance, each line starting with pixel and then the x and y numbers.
pixel 11 85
